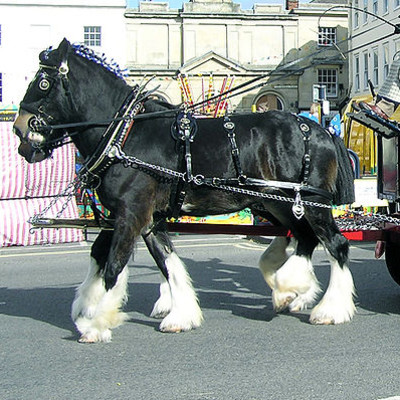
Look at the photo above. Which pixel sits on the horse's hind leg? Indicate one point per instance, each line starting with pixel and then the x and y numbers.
pixel 96 311
pixel 273 258
pixel 337 305
pixel 295 285
pixel 178 304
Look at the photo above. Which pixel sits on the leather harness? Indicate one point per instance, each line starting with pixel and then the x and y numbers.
pixel 184 130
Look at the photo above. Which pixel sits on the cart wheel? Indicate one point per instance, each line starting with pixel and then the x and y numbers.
pixel 392 256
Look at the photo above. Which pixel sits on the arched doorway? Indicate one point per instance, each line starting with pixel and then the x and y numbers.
pixel 269 102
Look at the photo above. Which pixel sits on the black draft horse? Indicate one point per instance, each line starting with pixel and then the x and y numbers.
pixel 73 86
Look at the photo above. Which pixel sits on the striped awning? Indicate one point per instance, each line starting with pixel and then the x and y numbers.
pixel 26 189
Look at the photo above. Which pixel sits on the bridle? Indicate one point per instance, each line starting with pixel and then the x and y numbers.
pixel 40 122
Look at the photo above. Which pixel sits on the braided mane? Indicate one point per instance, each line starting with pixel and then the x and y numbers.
pixel 112 66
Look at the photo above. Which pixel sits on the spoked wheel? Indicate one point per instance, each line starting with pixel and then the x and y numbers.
pixel 392 255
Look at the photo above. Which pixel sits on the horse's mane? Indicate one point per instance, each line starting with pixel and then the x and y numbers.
pixel 89 54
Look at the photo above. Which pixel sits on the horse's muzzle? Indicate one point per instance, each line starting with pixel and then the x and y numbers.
pixel 30 153
pixel 30 140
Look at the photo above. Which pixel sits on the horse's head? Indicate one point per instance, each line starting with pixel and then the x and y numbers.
pixel 46 102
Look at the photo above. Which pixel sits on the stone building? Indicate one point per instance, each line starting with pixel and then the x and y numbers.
pixel 292 48
pixel 374 42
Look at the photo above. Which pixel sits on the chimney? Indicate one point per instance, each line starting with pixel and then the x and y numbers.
pixel 290 4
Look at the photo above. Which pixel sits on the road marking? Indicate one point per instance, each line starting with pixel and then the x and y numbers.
pixel 44 253
pixel 70 251
pixel 391 398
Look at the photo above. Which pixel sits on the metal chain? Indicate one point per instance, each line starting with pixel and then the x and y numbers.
pixel 129 161
pixel 68 192
pixel 133 162
pixel 265 195
pixel 360 220
pixel 351 220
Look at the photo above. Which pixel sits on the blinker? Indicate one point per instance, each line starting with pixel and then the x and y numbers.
pixel 36 123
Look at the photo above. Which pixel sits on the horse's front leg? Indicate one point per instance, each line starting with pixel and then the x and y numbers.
pixel 95 311
pixel 178 304
pixel 97 306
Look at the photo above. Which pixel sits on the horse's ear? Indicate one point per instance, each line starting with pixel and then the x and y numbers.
pixel 63 50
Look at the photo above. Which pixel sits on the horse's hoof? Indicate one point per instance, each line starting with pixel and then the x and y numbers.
pixel 85 339
pixel 159 314
pixel 282 301
pixel 171 329
pixel 322 321
pixel 96 337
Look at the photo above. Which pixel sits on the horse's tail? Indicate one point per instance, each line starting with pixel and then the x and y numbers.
pixel 344 191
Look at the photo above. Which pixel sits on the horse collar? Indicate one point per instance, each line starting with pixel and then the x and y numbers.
pixel 114 137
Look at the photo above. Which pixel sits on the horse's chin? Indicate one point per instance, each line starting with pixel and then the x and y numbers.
pixel 30 154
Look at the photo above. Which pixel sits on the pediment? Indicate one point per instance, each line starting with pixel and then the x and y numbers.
pixel 212 62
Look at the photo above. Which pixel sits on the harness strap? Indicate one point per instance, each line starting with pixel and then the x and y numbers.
pixel 305 130
pixel 229 128
pixel 278 185
pixel 115 134
pixel 184 129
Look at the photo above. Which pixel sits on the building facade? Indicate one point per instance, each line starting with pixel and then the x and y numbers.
pixel 373 45
pixel 285 49
pixel 27 27
pixel 374 42
pixel 292 47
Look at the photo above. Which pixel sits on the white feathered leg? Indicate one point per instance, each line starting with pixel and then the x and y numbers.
pixel 163 305
pixel 273 258
pixel 296 286
pixel 185 312
pixel 95 311
pixel 337 305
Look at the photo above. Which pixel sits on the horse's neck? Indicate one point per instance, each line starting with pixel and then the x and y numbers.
pixel 102 97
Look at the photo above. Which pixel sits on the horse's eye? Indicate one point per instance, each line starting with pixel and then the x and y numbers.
pixel 44 85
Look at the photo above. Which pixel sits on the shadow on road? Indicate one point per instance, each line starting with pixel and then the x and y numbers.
pixel 236 288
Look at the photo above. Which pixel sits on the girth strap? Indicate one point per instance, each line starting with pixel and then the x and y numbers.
pixel 183 130
pixel 229 128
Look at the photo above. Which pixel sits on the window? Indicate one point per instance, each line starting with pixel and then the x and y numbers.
pixel 375 75
pixel 397 3
pixel 375 7
pixel 365 15
pixel 92 35
pixel 1 87
pixel 396 46
pixel 326 36
pixel 357 73
pixel 328 77
pixel 385 7
pixel 356 19
pixel 385 60
pixel 365 56
pixel 269 102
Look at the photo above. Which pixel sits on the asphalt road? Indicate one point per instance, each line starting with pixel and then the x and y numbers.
pixel 243 351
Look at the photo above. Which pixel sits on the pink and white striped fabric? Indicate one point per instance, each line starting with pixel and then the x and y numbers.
pixel 26 189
